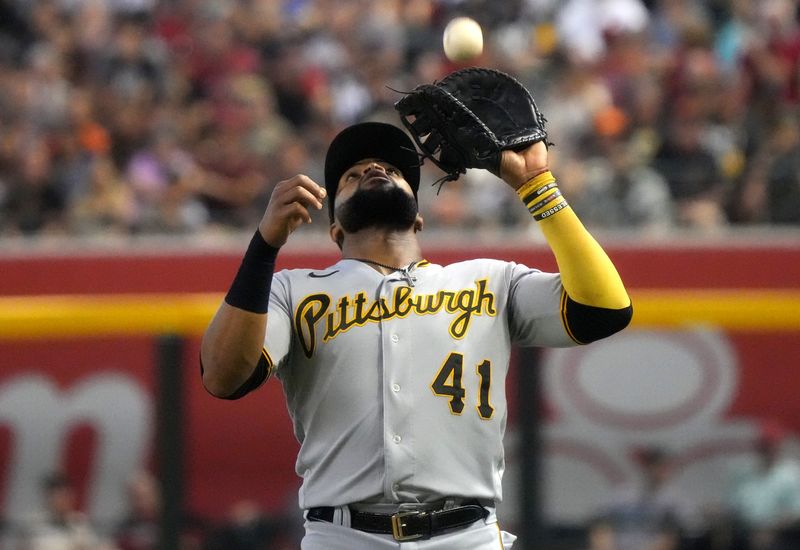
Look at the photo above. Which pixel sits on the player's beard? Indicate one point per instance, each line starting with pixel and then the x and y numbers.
pixel 381 207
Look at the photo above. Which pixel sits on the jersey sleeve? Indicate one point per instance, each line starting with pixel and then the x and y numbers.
pixel 278 339
pixel 534 308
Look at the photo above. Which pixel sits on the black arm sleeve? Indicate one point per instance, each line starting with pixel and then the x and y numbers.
pixel 587 324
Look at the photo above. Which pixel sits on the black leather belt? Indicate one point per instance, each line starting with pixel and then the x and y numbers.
pixel 407 524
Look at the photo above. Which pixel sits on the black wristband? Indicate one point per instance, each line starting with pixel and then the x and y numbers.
pixel 250 288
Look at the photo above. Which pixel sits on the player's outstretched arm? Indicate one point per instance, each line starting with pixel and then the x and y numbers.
pixel 587 273
pixel 230 350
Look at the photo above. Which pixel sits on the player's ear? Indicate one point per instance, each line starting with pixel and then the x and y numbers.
pixel 337 234
pixel 419 223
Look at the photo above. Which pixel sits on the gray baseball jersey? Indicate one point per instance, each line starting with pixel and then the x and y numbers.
pixel 396 383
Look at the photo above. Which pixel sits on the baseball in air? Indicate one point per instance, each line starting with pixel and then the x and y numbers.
pixel 463 39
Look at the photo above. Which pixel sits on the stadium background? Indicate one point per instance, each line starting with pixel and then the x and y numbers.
pixel 140 141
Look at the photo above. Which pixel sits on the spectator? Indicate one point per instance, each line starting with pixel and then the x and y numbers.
pixel 107 205
pixel 33 202
pixel 61 526
pixel 249 528
pixel 765 494
pixel 649 514
pixel 600 535
pixel 584 24
pixel 133 68
pixel 778 51
pixel 139 530
pixel 691 171
pixel 735 34
pixel 164 178
pixel 771 190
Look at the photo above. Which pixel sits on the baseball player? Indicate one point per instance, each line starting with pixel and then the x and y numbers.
pixel 393 367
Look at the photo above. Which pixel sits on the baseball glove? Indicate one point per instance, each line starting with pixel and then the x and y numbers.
pixel 469 118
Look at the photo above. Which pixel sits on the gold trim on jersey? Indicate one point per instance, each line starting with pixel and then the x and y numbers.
pixel 270 363
pixel 564 320
pixel 358 310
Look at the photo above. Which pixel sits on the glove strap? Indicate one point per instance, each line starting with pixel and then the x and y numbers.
pixel 542 196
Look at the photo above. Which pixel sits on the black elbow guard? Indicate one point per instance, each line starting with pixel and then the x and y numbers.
pixel 259 376
pixel 587 324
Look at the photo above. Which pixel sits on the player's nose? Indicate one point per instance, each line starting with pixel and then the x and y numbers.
pixel 372 166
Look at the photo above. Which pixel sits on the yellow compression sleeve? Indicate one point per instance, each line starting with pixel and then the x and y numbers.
pixel 587 273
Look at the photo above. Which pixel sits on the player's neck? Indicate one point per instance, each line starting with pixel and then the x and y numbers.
pixel 388 248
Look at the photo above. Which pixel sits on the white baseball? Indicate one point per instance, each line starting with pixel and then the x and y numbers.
pixel 463 39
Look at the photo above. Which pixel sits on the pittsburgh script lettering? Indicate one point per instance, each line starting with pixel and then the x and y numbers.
pixel 354 311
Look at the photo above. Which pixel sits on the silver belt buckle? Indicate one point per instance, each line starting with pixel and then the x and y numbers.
pixel 398 525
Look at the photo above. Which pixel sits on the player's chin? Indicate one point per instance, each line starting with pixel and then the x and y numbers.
pixel 382 206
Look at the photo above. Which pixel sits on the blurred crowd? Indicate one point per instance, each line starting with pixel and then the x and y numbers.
pixel 179 116
pixel 61 524
pixel 758 510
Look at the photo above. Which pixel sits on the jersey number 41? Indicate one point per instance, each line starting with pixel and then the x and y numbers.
pixel 448 383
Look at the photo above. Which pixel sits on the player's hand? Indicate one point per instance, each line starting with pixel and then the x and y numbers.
pixel 288 208
pixel 517 167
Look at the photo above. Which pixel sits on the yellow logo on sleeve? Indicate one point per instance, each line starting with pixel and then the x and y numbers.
pixel 358 310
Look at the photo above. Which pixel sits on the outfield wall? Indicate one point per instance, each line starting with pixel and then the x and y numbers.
pixel 714 348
